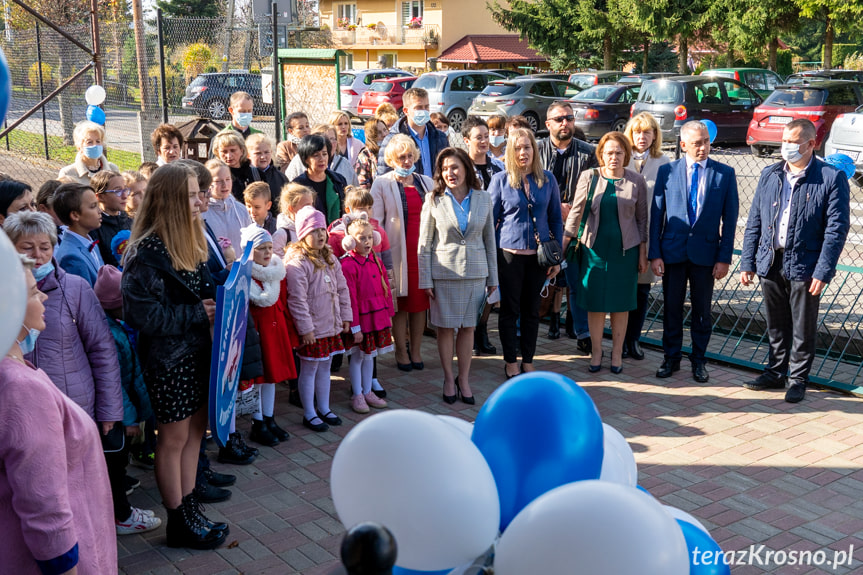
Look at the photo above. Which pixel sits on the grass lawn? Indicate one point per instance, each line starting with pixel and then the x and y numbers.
pixel 29 144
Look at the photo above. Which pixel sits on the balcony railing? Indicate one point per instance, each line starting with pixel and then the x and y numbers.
pixel 389 35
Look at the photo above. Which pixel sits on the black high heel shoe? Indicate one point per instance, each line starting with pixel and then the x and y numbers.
pixel 450 399
pixel 468 400
pixel 595 368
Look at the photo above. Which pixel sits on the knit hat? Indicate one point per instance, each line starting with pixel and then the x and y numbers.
pixel 107 288
pixel 255 234
pixel 307 220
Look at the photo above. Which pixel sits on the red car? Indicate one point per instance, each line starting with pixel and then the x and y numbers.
pixel 818 101
pixel 388 90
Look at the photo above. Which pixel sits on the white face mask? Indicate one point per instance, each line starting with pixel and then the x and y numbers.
pixel 791 152
pixel 496 140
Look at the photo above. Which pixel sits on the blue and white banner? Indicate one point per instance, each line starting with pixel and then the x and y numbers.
pixel 229 336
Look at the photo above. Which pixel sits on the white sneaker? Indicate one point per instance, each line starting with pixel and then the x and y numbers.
pixel 140 521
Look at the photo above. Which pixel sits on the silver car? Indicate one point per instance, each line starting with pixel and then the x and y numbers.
pixel 528 97
pixel 452 92
pixel 846 137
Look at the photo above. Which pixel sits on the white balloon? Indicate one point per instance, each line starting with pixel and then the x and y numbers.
pixel 13 294
pixel 618 461
pixel 95 95
pixel 425 481
pixel 593 528
pixel 465 427
pixel 684 516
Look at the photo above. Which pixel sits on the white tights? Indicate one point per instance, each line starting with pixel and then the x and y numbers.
pixel 314 384
pixel 266 401
pixel 361 372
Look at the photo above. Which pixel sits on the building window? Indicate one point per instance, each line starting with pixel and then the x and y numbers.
pixel 388 60
pixel 346 62
pixel 346 14
pixel 411 10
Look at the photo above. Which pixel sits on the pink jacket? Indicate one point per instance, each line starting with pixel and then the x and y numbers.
pixel 371 304
pixel 54 489
pixel 318 299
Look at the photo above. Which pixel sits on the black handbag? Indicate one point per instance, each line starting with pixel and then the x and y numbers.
pixel 549 253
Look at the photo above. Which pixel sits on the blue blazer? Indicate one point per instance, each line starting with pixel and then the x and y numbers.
pixel 514 229
pixel 711 238
pixel 74 257
pixel 817 226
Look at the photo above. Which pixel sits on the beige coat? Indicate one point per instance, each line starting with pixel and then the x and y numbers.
pixel 648 172
pixel 79 172
pixel 387 210
pixel 447 254
pixel 631 208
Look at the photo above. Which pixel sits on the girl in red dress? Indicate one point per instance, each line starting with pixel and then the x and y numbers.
pixel 268 305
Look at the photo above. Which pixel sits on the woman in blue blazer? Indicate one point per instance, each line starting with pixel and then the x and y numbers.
pixel 524 188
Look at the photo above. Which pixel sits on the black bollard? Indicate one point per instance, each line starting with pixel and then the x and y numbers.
pixel 369 549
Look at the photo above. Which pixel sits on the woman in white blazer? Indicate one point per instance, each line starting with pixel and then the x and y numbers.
pixel 398 197
pixel 645 136
pixel 457 261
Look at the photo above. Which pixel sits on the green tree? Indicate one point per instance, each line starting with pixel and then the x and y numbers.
pixel 837 15
pixel 190 8
pixel 751 26
pixel 672 20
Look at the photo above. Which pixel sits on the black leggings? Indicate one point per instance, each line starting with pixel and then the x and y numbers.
pixel 116 463
pixel 521 280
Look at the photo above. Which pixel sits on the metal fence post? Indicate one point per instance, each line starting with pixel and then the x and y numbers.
pixel 42 89
pixel 162 83
pixel 277 76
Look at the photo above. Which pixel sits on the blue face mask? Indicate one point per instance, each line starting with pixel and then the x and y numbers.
pixel 28 344
pixel 243 119
pixel 421 117
pixel 404 172
pixel 43 271
pixel 496 140
pixel 93 152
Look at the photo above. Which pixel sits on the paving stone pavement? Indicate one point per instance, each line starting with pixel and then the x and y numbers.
pixel 753 469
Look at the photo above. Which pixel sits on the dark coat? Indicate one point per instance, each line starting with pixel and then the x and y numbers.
pixel 817 226
pixel 276 180
pixel 579 156
pixel 437 142
pixel 111 226
pixel 339 184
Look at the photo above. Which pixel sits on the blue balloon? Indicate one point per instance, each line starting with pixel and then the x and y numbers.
pixel 96 114
pixel 538 431
pixel 359 134
pixel 5 86
pixel 705 554
pixel 404 571
pixel 843 163
pixel 712 130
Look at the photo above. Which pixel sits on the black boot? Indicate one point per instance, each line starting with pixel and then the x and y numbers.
pixel 186 529
pixel 197 506
pixel 280 433
pixel 234 453
pixel 262 434
pixel 481 342
pixel 554 326
pixel 336 364
pixel 253 451
pixel 570 332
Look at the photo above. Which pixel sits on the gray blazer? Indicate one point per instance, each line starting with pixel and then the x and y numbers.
pixel 648 172
pixel 447 254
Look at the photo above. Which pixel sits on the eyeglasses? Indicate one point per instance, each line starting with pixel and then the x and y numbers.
pixel 562 119
pixel 120 192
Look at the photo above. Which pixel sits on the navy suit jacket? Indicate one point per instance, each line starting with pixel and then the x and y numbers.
pixel 74 257
pixel 711 238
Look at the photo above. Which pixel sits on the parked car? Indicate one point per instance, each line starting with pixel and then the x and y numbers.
pixel 676 100
pixel 593 77
pixel 759 79
pixel 820 102
pixel 641 78
pixel 528 97
pixel 388 90
pixel 546 75
pixel 508 74
pixel 846 137
pixel 352 84
pixel 451 92
pixel 603 108
pixel 210 94
pixel 821 75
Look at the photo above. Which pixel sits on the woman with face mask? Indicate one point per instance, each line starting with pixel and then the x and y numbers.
pixel 89 139
pixel 398 200
pixel 55 502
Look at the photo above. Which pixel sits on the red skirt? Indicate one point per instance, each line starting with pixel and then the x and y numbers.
pixel 323 348
pixel 417 299
pixel 374 343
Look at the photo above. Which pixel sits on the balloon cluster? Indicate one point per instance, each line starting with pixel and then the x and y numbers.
pixel 94 96
pixel 537 484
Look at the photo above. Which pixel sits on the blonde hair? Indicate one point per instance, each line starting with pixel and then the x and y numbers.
pixel 645 122
pixel 336 115
pixel 165 213
pixel 321 258
pixel 230 138
pixel 86 127
pixel 255 140
pixel 399 144
pixel 132 177
pixel 290 197
pixel 512 171
pixel 387 113
pixel 257 190
pixel 358 197
pixel 238 98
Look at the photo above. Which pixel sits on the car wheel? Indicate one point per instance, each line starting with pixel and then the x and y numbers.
pixel 532 120
pixel 456 117
pixel 758 151
pixel 618 126
pixel 217 109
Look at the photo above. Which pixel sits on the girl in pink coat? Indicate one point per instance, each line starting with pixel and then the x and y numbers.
pixel 320 303
pixel 372 304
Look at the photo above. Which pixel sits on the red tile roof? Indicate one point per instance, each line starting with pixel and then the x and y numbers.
pixel 490 48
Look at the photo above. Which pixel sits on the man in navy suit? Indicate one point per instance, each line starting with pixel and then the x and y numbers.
pixel 692 224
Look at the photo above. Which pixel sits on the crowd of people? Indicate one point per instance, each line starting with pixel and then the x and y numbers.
pixel 356 248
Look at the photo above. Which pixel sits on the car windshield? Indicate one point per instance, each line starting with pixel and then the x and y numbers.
pixel 381 87
pixel 660 92
pixel 583 80
pixel 495 89
pixel 796 98
pixel 596 94
pixel 433 82
pixel 346 79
